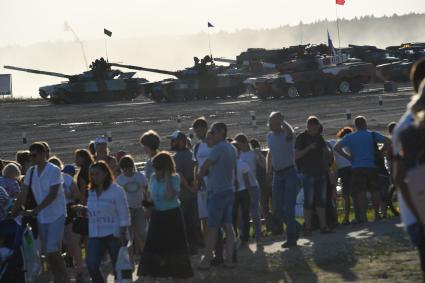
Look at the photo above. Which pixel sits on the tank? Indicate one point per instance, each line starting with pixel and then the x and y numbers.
pixel 370 54
pixel 100 83
pixel 204 80
pixel 314 74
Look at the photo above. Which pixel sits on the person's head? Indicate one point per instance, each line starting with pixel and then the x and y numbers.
pixel 243 142
pixel 163 163
pixel 120 154
pixel 48 150
pixel 83 158
pixel 100 175
pixel 343 132
pixel 11 171
pixel 38 153
pixel 275 121
pixel 101 146
pixel 24 159
pixel 417 74
pixel 178 141
pixel 200 127
pixel 313 126
pixel 391 127
pixel 218 132
pixel 150 142
pixel 92 148
pixel 69 169
pixel 360 123
pixel 127 165
pixel 255 144
pixel 209 139
pixel 56 161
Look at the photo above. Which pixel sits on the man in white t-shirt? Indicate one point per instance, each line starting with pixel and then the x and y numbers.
pixel 45 181
pixel 134 184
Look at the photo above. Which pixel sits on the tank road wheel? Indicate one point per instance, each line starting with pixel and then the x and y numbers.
pixel 292 92
pixel 356 86
pixel 344 87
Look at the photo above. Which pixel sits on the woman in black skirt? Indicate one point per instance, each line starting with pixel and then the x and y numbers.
pixel 166 251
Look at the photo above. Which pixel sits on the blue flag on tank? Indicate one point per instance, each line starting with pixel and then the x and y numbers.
pixel 210 25
pixel 332 50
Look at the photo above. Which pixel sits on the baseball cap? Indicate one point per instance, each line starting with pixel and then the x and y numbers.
pixel 69 169
pixel 100 140
pixel 178 135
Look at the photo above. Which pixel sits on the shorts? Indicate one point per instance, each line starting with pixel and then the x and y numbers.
pixel 202 204
pixel 220 208
pixel 314 191
pixel 138 222
pixel 364 180
pixel 51 235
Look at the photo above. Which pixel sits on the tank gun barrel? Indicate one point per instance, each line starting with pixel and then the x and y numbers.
pixel 138 68
pixel 38 72
pixel 225 60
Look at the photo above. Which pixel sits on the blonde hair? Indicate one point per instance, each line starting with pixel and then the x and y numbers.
pixel 11 169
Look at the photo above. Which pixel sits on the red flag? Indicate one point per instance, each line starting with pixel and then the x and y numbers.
pixel 340 2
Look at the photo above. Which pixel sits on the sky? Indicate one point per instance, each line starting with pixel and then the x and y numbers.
pixel 25 22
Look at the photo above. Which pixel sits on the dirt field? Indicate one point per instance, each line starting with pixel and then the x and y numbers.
pixel 68 127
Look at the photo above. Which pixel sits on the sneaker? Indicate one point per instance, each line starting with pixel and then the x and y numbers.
pixel 287 245
pixel 216 261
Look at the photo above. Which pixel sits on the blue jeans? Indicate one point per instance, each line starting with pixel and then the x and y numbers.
pixel 96 248
pixel 284 195
pixel 314 191
pixel 254 208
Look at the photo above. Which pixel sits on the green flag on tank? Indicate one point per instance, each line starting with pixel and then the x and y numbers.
pixel 107 32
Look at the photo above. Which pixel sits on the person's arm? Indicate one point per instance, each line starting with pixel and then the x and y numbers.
pixel 123 214
pixel 51 196
pixel 74 191
pixel 339 149
pixel 288 130
pixel 20 201
pixel 170 190
pixel 399 171
pixel 269 163
pixel 300 153
pixel 260 159
pixel 203 172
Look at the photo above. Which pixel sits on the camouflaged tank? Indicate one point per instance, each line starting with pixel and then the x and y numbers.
pixel 99 84
pixel 205 80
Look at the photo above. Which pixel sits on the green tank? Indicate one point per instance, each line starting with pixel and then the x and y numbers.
pixel 205 80
pixel 99 84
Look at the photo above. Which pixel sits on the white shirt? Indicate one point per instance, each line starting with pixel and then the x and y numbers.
pixel 242 169
pixel 133 186
pixel 41 185
pixel 406 120
pixel 202 156
pixel 341 162
pixel 108 212
pixel 250 157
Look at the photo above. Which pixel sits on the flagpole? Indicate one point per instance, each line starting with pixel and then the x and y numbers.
pixel 106 49
pixel 337 26
pixel 209 42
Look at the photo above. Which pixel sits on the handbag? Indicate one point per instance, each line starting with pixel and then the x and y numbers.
pixel 80 225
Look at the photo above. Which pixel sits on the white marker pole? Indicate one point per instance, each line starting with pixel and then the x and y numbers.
pixel 109 135
pixel 253 119
pixel 179 122
pixel 24 138
pixel 348 114
pixel 381 103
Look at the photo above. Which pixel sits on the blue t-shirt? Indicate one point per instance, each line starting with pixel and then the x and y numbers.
pixel 221 176
pixel 157 193
pixel 281 150
pixel 361 146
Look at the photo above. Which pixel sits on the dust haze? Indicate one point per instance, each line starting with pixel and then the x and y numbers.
pixel 176 52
